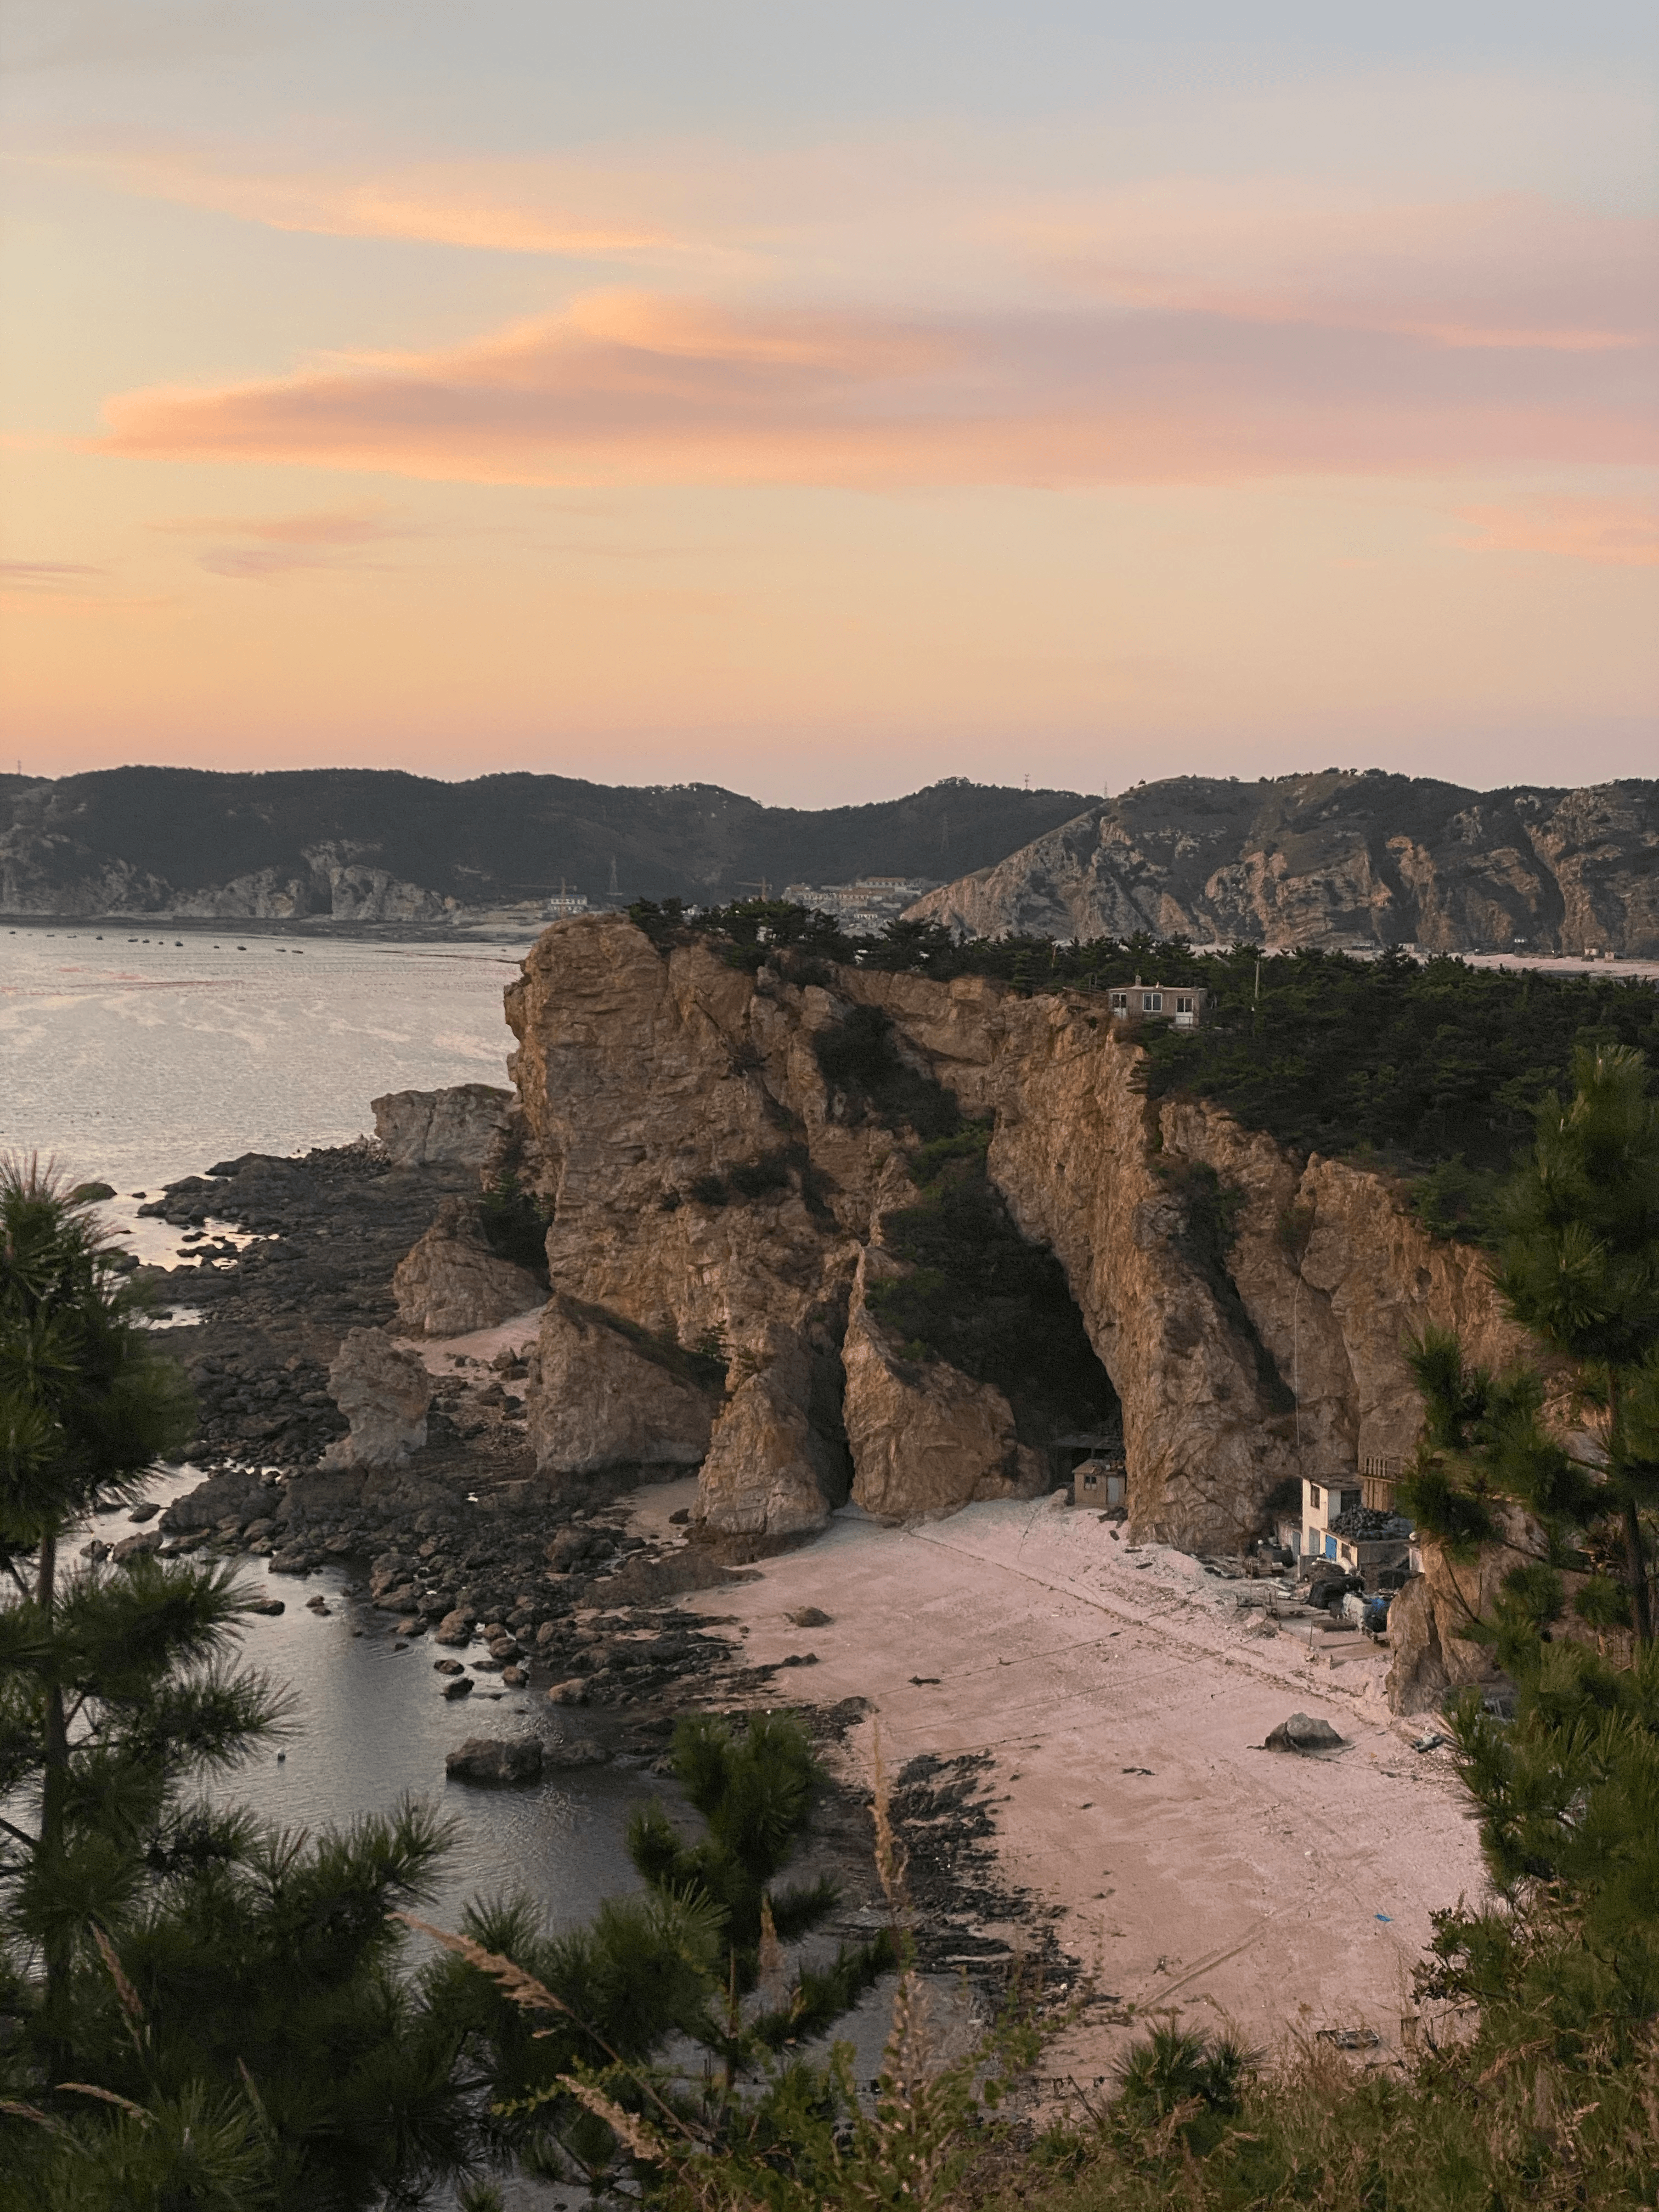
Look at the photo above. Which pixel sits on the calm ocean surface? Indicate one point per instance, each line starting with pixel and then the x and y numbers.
pixel 137 1062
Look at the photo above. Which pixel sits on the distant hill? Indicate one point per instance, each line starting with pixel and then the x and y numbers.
pixel 1337 859
pixel 362 844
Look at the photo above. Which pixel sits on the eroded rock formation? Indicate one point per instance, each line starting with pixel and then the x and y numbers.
pixel 601 1395
pixel 384 1393
pixel 463 1126
pixel 452 1283
pixel 924 1438
pixel 709 1187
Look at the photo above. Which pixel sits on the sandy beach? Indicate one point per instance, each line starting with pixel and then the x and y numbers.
pixel 1124 1695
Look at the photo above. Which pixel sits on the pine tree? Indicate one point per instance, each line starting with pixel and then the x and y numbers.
pixel 111 1685
pixel 194 2011
pixel 1568 1793
pixel 1580 1267
pixel 754 1789
pixel 684 1962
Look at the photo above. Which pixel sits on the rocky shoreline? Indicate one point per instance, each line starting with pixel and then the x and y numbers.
pixel 512 1582
pixel 461 1540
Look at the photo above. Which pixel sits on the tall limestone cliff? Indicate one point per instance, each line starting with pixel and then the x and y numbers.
pixel 1335 858
pixel 722 1201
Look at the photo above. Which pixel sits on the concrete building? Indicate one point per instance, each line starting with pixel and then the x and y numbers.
pixel 1321 1504
pixel 1183 1004
pixel 1340 1524
pixel 865 906
pixel 1098 1482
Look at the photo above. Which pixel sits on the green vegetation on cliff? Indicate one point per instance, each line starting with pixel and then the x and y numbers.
pixel 1435 1067
pixel 984 1300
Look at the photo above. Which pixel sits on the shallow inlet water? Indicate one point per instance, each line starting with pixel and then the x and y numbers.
pixel 137 1062
pixel 371 1726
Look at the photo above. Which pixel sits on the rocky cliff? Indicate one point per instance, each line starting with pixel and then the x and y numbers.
pixel 1336 858
pixel 716 1198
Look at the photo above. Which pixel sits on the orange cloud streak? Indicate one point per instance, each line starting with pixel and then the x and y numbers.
pixel 522 206
pixel 625 388
pixel 1622 532
pixel 1512 270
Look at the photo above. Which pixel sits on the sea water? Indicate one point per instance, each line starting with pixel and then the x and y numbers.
pixel 135 1054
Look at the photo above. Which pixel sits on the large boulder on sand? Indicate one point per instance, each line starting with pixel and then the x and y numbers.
pixel 384 1393
pixel 1307 1733
pixel 459 1127
pixel 601 1394
pixel 924 1437
pixel 768 1473
pixel 450 1283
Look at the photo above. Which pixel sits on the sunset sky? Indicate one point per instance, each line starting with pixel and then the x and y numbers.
pixel 820 400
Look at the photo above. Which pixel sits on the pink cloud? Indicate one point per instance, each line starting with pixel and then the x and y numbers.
pixel 1624 532
pixel 531 204
pixel 46 576
pixel 1511 269
pixel 283 543
pixel 625 388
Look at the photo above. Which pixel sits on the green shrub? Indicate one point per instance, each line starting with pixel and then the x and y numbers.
pixel 514 1222
pixel 755 1178
pixel 986 1301
pixel 858 1057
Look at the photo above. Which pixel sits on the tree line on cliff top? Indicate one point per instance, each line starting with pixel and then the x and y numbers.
pixel 197 2012
pixel 1431 1068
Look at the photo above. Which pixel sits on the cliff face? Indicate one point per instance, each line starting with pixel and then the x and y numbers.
pixel 1251 1312
pixel 1336 858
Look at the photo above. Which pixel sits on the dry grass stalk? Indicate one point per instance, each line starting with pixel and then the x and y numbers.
pixel 107 2097
pixel 521 1988
pixel 130 2001
pixel 771 1967
pixel 890 1852
pixel 627 2127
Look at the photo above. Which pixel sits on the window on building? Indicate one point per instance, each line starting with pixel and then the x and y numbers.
pixel 1151 1002
pixel 1120 1002
pixel 1313 1495
pixel 1183 1005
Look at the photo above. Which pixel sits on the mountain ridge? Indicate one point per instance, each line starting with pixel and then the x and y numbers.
pixel 380 844
pixel 1339 858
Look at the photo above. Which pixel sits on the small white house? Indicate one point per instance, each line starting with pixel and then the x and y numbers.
pixel 1322 1503
pixel 1155 1002
pixel 1323 1506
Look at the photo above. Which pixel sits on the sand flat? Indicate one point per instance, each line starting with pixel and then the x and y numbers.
pixel 1224 1880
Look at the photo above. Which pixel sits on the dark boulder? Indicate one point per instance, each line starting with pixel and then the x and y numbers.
pixel 495 1761
pixel 1305 1733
